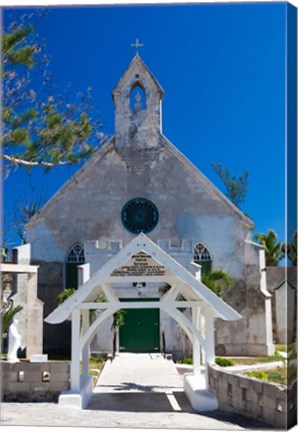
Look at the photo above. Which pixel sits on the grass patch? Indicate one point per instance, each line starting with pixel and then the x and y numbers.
pixel 285 348
pixel 280 375
pixel 262 375
pixel 96 363
pixel 220 361
pixel 186 360
pixel 238 361
pixel 254 360
pixel 95 367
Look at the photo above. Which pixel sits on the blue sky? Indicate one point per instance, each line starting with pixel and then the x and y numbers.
pixel 222 67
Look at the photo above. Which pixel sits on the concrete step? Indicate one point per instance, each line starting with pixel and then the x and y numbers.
pixel 201 399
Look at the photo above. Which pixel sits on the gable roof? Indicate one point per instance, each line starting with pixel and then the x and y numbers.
pixel 206 182
pixel 105 148
pixel 194 289
pixel 109 145
pixel 277 276
pixel 135 63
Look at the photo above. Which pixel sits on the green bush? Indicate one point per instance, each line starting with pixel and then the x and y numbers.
pixel 258 374
pixel 224 361
pixel 278 356
pixel 96 360
pixel 187 360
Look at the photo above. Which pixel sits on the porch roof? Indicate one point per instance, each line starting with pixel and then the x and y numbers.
pixel 192 289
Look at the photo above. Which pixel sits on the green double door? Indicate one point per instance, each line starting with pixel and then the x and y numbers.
pixel 140 332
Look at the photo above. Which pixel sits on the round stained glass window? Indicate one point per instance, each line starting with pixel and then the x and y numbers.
pixel 139 215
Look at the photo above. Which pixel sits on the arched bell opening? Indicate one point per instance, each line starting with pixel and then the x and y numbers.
pixel 137 101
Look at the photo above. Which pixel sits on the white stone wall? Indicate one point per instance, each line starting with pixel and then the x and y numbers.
pixel 273 404
pixel 285 303
pixel 30 318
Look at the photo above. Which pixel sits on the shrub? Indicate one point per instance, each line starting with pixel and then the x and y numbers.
pixel 258 374
pixel 224 361
pixel 187 360
pixel 97 360
pixel 278 356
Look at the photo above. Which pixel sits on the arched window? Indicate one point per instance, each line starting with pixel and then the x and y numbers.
pixel 137 99
pixel 202 256
pixel 74 258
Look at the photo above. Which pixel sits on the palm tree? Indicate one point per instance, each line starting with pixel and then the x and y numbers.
pixel 292 250
pixel 274 250
pixel 63 295
pixel 8 315
pixel 217 280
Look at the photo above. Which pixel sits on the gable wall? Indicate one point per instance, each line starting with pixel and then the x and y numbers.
pixel 90 209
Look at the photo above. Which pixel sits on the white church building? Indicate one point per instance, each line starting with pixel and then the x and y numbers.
pixel 139 182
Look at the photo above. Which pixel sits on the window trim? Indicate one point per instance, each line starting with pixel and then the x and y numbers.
pixel 77 254
pixel 199 254
pixel 202 257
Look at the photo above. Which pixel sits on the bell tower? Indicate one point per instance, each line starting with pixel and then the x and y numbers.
pixel 137 98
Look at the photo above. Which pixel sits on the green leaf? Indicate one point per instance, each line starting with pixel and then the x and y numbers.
pixel 10 40
pixel 23 56
pixel 64 295
pixel 8 316
pixel 54 119
pixel 7 114
pixel 274 250
pixel 19 136
pixel 72 158
pixel 236 187
pixel 19 120
pixel 217 280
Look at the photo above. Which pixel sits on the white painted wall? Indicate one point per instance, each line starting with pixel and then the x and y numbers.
pixel 285 304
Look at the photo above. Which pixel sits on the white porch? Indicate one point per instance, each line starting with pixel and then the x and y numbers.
pixel 141 260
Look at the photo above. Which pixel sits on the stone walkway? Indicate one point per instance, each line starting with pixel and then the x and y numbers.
pixel 134 391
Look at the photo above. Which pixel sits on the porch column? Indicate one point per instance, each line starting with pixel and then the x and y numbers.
pixel 34 315
pixel 86 349
pixel 210 353
pixel 196 313
pixel 83 273
pixel 209 317
pixel 83 277
pixel 75 351
pixel 196 345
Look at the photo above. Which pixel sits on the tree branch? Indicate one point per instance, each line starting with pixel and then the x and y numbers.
pixel 18 161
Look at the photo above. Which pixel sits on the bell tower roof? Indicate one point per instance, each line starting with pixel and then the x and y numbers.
pixel 137 98
pixel 138 71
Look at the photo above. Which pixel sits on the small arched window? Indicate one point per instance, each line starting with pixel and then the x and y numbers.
pixel 75 257
pixel 137 99
pixel 76 254
pixel 202 256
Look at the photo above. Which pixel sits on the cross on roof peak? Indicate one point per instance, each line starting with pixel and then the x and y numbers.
pixel 137 45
